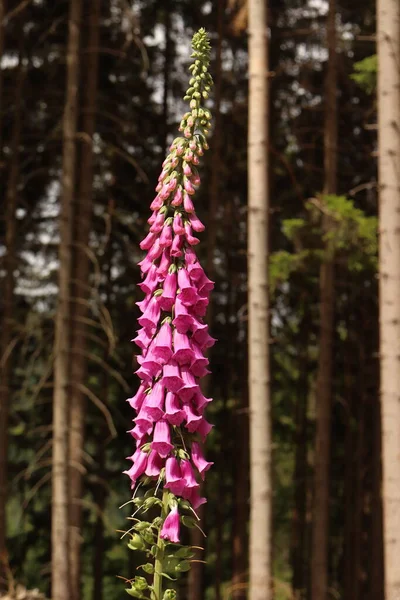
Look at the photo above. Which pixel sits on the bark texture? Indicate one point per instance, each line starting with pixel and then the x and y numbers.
pixel 320 531
pixel 60 531
pixel 82 220
pixel 388 14
pixel 258 338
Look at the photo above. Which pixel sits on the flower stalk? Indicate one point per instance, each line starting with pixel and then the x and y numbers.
pixel 170 424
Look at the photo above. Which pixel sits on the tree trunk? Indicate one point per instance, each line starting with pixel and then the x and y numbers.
pixel 388 14
pixel 11 196
pixel 81 292
pixel 260 587
pixel 299 525
pixel 240 518
pixel 60 531
pixel 2 43
pixel 320 535
pixel 167 71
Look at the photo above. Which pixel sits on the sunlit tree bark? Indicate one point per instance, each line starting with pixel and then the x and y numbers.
pixel 388 14
pixel 258 339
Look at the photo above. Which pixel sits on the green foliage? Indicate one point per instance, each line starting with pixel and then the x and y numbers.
pixel 365 73
pixel 350 235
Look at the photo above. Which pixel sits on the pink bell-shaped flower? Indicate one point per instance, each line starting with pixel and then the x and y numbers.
pixel 162 439
pixel 170 528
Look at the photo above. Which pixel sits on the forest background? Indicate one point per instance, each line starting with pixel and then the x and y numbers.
pixel 131 74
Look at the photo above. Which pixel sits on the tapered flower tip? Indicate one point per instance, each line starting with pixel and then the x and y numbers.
pixel 170 528
pixel 201 43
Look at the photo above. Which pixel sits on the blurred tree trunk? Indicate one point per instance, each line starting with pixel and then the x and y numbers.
pixel 11 197
pixel 81 290
pixel 61 573
pixel 240 517
pixel 299 526
pixel 260 587
pixel 167 70
pixel 2 44
pixel 101 490
pixel 320 535
pixel 388 14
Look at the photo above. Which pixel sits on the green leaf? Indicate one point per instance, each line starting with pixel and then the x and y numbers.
pixel 183 567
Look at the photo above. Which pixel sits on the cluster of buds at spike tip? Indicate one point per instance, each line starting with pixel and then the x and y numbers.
pixel 170 424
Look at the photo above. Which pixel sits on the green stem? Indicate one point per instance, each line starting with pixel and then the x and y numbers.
pixel 159 561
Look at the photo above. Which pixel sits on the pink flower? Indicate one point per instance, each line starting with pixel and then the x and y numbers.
pixel 200 308
pixel 173 473
pixel 188 475
pixel 177 201
pixel 194 498
pixel 162 347
pixel 193 241
pixel 200 401
pixel 176 248
pixel 158 201
pixel 156 250
pixel 145 264
pixel 173 412
pixel 178 225
pixel 155 402
pixel 148 241
pixel 137 400
pixel 151 281
pixel 188 293
pixel 151 315
pixel 166 236
pixel 192 419
pixel 195 271
pixel 190 385
pixel 199 362
pixel 137 468
pixel 170 528
pixel 168 295
pixel 150 367
pixel 162 439
pixel 205 285
pixel 198 459
pixel 190 256
pixel 187 184
pixel 172 379
pixel 186 168
pixel 158 223
pixel 183 320
pixel 145 419
pixel 154 464
pixel 165 263
pixel 188 203
pixel 196 224
pixel 183 353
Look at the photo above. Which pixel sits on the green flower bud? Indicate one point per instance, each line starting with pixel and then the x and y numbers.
pixel 141 583
pixel 170 595
pixel 141 525
pixel 148 568
pixel 136 542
